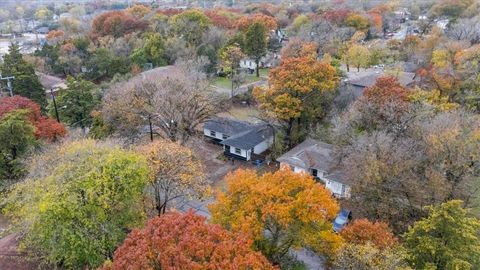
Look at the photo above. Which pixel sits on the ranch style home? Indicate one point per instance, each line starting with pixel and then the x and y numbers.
pixel 316 158
pixel 241 140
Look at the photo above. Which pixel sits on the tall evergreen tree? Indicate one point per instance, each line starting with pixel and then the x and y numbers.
pixel 256 43
pixel 26 82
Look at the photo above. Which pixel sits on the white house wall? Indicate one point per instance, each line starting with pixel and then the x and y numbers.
pixel 218 135
pixel 263 146
pixel 244 153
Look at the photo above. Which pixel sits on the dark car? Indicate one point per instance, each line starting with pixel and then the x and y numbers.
pixel 341 220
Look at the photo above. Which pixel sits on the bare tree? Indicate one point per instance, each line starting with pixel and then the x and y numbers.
pixel 466 29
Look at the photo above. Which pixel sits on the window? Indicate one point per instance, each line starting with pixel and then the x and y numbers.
pixel 238 151
pixel 213 134
pixel 224 136
pixel 315 172
pixel 343 190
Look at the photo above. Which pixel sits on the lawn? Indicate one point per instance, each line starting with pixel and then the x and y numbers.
pixel 224 82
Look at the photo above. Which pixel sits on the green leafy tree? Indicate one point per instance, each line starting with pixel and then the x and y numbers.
pixel 83 197
pixel 230 57
pixel 256 43
pixel 26 82
pixel 76 103
pixel 153 51
pixel 16 138
pixel 447 239
pixel 191 25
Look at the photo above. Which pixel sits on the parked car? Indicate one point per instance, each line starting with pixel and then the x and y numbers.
pixel 342 219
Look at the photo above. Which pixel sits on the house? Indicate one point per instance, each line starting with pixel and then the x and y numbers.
pixel 250 64
pixel 317 158
pixel 51 84
pixel 367 79
pixel 239 139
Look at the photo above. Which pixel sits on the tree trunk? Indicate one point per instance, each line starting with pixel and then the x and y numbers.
pixel 151 129
pixel 348 67
pixel 288 134
pixel 257 63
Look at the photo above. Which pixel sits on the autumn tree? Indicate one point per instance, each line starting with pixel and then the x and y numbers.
pixel 300 90
pixel 190 25
pixel 362 231
pixel 171 103
pixel 138 11
pixel 45 128
pixel 363 257
pixel 117 24
pixel 244 23
pixel 279 210
pixel 230 57
pixel 446 239
pixel 256 43
pixel 26 82
pixel 357 56
pixel 176 174
pixel 193 244
pixel 83 197
pixel 357 21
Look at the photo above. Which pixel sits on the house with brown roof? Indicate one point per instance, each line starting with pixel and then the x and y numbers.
pixel 358 84
pixel 317 159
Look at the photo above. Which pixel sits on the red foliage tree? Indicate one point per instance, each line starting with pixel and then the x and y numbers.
pixel 116 23
pixel 386 90
pixel 244 22
pixel 361 231
pixel 219 20
pixel 185 241
pixel 337 16
pixel 45 128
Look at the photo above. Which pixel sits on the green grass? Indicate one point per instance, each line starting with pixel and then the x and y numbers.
pixel 224 82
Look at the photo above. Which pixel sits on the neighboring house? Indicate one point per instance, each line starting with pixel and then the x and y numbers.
pixel 240 139
pixel 316 158
pixel 250 64
pixel 358 84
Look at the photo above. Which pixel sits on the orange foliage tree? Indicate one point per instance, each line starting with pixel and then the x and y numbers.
pixel 45 128
pixel 279 210
pixel 244 22
pixel 116 23
pixel 361 231
pixel 185 241
pixel 300 90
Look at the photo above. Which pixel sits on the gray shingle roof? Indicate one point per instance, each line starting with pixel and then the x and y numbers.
pixel 227 126
pixel 405 79
pixel 249 138
pixel 313 154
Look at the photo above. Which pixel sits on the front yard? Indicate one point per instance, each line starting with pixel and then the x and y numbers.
pixel 224 82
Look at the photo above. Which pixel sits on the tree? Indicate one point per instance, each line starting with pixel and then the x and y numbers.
pixel 76 102
pixel 280 210
pixel 193 244
pixel 357 56
pixel 138 11
pixel 153 51
pixel 300 92
pixel 83 197
pixel 357 21
pixel 368 256
pixel 117 24
pixel 190 25
pixel 26 82
pixel 171 102
pixel 45 128
pixel 230 57
pixel 446 239
pixel 16 139
pixel 244 23
pixel 177 173
pixel 43 14
pixel 256 43
pixel 362 231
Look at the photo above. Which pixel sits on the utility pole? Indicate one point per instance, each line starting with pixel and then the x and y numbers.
pixel 54 104
pixel 9 83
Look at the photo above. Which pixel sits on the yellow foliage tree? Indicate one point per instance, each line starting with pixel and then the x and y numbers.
pixel 176 173
pixel 279 210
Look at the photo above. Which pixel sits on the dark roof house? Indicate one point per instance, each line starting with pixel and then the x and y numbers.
pixel 239 139
pixel 358 85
